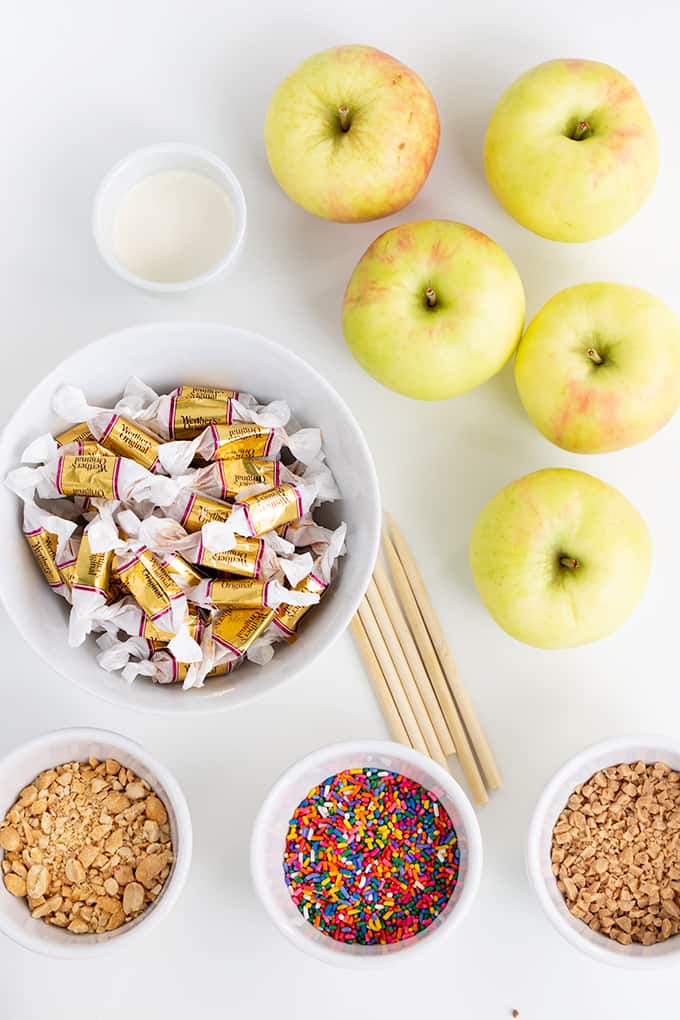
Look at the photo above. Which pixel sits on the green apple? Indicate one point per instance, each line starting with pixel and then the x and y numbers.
pixel 351 134
pixel 560 558
pixel 570 150
pixel 598 368
pixel 433 309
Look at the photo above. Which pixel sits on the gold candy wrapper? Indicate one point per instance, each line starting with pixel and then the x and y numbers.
pixel 287 618
pixel 236 629
pixel 201 509
pixel 148 581
pixel 88 475
pixel 241 441
pixel 92 570
pixel 237 475
pixel 76 434
pixel 244 559
pixel 244 594
pixel 177 565
pixel 271 509
pixel 43 545
pixel 125 439
pixel 90 447
pixel 195 407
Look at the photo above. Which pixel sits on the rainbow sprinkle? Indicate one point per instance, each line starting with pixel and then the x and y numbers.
pixel 371 857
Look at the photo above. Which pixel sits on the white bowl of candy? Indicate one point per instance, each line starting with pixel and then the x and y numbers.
pixel 175 546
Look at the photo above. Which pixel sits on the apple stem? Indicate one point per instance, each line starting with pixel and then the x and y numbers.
pixel 568 561
pixel 596 358
pixel 431 297
pixel 343 114
pixel 581 131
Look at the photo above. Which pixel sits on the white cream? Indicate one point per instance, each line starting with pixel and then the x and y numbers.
pixel 173 226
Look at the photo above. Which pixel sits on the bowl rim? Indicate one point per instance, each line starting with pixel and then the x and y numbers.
pixel 232 186
pixel 215 704
pixel 614 955
pixel 183 851
pixel 325 951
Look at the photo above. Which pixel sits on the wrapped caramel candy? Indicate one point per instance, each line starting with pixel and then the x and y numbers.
pixel 47 536
pixel 235 628
pixel 248 594
pixel 188 409
pixel 126 439
pixel 91 475
pixel 240 441
pixel 225 479
pixel 145 577
pixel 122 436
pixel 192 510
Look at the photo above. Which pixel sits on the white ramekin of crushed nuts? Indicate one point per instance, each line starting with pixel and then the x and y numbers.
pixel 95 842
pixel 603 851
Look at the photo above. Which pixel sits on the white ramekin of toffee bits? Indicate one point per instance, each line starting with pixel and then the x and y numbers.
pixel 603 852
pixel 95 842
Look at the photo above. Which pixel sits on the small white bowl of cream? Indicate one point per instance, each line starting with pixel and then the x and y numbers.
pixel 169 217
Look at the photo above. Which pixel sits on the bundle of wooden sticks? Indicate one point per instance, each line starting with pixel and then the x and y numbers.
pixel 415 677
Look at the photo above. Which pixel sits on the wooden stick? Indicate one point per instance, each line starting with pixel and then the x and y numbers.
pixel 382 692
pixel 434 670
pixel 389 672
pixel 405 675
pixel 410 650
pixel 465 706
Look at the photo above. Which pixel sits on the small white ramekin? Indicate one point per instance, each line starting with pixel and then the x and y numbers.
pixel 269 836
pixel 137 166
pixel 550 805
pixel 20 766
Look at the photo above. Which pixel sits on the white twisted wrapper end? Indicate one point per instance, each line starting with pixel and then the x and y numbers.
pixel 116 654
pixel 270 416
pixel 41 450
pixel 143 668
pixel 71 404
pixel 176 457
pixel 184 647
pixel 102 532
pixel 297 568
pixel 335 548
pixel 262 649
pixel 305 445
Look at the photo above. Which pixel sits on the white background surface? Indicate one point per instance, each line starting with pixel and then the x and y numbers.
pixel 83 83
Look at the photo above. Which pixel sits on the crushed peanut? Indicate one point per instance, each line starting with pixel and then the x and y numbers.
pixel 88 845
pixel 616 852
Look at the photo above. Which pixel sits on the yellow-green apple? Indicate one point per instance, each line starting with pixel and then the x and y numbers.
pixel 560 558
pixel 570 150
pixel 351 134
pixel 433 309
pixel 598 368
